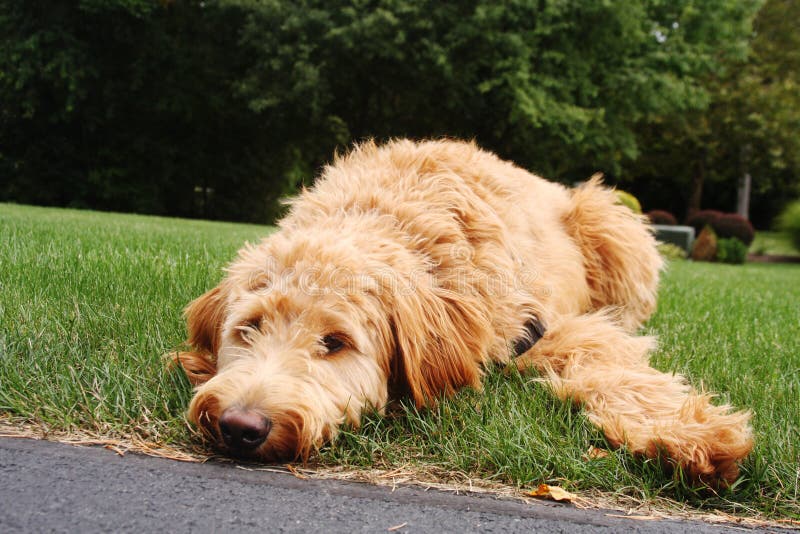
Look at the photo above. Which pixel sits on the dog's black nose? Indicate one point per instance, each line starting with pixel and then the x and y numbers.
pixel 243 430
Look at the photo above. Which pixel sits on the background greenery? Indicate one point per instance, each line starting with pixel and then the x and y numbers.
pixel 90 303
pixel 217 108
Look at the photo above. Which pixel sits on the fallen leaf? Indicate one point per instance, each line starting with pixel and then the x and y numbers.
pixel 594 453
pixel 295 472
pixel 555 493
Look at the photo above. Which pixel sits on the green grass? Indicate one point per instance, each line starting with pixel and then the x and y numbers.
pixel 90 302
pixel 773 243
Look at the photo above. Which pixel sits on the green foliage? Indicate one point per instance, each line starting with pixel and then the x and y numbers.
pixel 748 126
pixel 789 222
pixel 92 301
pixel 626 199
pixel 547 84
pixel 731 250
pixel 216 109
pixel 773 244
pixel 127 105
pixel 670 251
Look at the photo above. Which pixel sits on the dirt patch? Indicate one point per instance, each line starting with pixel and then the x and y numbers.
pixel 771 258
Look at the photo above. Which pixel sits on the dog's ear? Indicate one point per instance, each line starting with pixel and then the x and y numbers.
pixel 198 366
pixel 204 318
pixel 438 343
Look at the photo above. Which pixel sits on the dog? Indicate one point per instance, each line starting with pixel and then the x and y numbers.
pixel 405 271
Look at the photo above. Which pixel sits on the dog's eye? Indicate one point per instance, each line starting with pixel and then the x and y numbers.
pixel 248 327
pixel 333 343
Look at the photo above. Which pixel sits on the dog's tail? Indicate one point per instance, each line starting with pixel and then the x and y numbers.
pixel 619 250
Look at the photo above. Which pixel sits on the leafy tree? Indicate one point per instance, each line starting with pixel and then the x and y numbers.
pixel 547 83
pixel 748 127
pixel 136 105
pixel 128 105
pixel 762 112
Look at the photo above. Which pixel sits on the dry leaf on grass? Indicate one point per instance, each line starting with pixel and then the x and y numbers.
pixel 555 493
pixel 594 453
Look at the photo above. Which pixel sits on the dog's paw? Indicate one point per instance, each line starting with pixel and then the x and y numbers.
pixel 710 457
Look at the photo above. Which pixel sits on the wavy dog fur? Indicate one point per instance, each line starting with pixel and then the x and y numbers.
pixel 423 262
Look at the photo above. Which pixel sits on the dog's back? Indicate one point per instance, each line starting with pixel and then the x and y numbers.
pixel 579 249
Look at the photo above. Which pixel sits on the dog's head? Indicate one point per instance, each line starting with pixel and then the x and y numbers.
pixel 302 336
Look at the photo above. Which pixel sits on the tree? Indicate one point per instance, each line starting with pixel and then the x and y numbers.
pixel 763 108
pixel 747 128
pixel 128 105
pixel 135 105
pixel 546 83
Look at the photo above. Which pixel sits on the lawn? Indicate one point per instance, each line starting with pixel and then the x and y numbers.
pixel 774 243
pixel 89 303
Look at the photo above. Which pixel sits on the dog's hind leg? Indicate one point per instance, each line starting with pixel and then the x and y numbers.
pixel 619 253
pixel 593 362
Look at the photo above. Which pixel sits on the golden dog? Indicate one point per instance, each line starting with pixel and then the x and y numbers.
pixel 406 270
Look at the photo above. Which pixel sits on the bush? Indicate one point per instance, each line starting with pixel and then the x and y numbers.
pixel 670 251
pixel 626 199
pixel 731 250
pixel 705 246
pixel 662 217
pixel 789 222
pixel 733 225
pixel 725 225
pixel 700 219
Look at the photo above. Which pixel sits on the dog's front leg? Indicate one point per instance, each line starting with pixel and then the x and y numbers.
pixel 591 361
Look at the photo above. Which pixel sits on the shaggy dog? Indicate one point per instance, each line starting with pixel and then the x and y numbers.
pixel 410 267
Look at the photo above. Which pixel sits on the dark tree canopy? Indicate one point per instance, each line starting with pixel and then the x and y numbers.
pixel 219 108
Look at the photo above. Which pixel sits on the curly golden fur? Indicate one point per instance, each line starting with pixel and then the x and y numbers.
pixel 407 269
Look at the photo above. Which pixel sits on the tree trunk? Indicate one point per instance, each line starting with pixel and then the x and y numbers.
pixel 745 182
pixel 743 196
pixel 696 195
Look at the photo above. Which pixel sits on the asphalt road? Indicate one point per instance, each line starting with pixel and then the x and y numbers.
pixel 51 487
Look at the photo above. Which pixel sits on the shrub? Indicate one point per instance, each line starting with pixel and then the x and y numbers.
pixel 733 225
pixel 662 217
pixel 731 250
pixel 629 200
pixel 705 246
pixel 700 219
pixel 670 251
pixel 789 222
pixel 724 224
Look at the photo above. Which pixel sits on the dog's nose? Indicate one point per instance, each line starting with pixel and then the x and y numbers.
pixel 243 430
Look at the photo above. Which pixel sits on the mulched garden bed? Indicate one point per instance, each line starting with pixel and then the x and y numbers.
pixel 771 258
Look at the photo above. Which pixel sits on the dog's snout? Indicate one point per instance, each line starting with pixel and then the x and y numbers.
pixel 243 430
